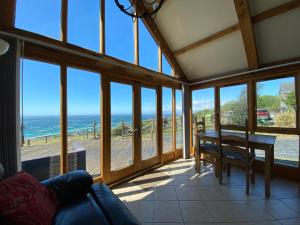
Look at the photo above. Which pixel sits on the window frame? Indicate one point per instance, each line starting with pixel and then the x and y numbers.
pixel 279 130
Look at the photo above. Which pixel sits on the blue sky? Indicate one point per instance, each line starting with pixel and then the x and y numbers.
pixel 204 98
pixel 41 80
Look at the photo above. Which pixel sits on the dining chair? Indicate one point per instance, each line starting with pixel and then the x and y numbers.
pixel 235 150
pixel 205 152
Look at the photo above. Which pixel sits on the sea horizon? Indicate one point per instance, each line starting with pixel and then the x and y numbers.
pixel 49 125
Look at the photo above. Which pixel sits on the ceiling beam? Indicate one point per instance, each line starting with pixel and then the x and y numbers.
pixel 276 11
pixel 246 27
pixel 255 19
pixel 210 38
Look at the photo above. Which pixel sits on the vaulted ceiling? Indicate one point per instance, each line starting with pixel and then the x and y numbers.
pixel 213 38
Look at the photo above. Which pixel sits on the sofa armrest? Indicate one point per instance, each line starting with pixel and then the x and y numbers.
pixel 70 186
pixel 116 212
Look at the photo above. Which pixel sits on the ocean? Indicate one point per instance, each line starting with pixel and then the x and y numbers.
pixel 41 126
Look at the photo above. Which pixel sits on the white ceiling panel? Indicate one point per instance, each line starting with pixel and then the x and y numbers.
pixel 278 38
pixel 183 22
pixel 258 6
pixel 219 57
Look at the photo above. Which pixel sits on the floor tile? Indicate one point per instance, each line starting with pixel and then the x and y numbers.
pixel 142 210
pixel 290 221
pixel 293 203
pixel 167 211
pixel 224 211
pixel 165 193
pixel 195 211
pixel 277 209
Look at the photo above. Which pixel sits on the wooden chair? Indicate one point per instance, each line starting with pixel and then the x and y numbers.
pixel 235 150
pixel 204 152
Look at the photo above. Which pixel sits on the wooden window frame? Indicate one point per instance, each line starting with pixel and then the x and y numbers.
pixel 279 130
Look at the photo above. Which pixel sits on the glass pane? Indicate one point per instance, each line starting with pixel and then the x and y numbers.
pixel 83 23
pixel 276 103
pixel 203 105
pixel 149 123
pixel 84 121
pixel 121 126
pixel 234 106
pixel 286 149
pixel 167 119
pixel 179 133
pixel 119 32
pixel 40 153
pixel 42 17
pixel 148 48
pixel 166 67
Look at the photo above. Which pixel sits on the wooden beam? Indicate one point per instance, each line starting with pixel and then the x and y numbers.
pixel 159 60
pixel 243 13
pixel 152 27
pixel 174 121
pixel 63 120
pixel 210 38
pixel 255 19
pixel 7 13
pixel 64 21
pixel 136 42
pixel 276 11
pixel 102 27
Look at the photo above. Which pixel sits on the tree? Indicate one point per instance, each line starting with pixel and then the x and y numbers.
pixel 290 100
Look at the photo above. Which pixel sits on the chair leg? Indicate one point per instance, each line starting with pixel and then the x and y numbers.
pixel 196 162
pixel 247 180
pixel 228 170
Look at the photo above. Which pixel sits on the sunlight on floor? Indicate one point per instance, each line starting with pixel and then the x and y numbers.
pixel 175 194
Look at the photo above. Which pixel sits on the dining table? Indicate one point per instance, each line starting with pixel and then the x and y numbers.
pixel 256 141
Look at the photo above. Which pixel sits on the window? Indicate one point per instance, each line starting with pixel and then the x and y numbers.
pixel 40 152
pixel 276 103
pixel 179 125
pixel 84 121
pixel 83 24
pixel 286 149
pixel 42 17
pixel 234 106
pixel 119 32
pixel 167 119
pixel 203 104
pixel 121 126
pixel 166 67
pixel 149 123
pixel 148 48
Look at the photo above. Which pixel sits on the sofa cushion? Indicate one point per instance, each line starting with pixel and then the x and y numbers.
pixel 70 186
pixel 24 201
pixel 81 211
pixel 115 210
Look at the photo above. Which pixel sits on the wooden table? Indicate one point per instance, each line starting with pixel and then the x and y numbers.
pixel 256 141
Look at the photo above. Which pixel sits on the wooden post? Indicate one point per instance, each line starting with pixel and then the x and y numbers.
pixel 159 60
pixel 137 124
pixel 174 125
pixel 7 13
pixel 102 26
pixel 94 131
pixel 159 125
pixel 64 21
pixel 63 120
pixel 136 42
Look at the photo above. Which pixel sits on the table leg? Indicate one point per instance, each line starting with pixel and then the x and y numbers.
pixel 268 163
pixel 272 162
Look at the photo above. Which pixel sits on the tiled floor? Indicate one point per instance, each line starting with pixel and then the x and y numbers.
pixel 185 198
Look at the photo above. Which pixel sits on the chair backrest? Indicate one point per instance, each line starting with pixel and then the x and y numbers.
pixel 235 143
pixel 199 125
